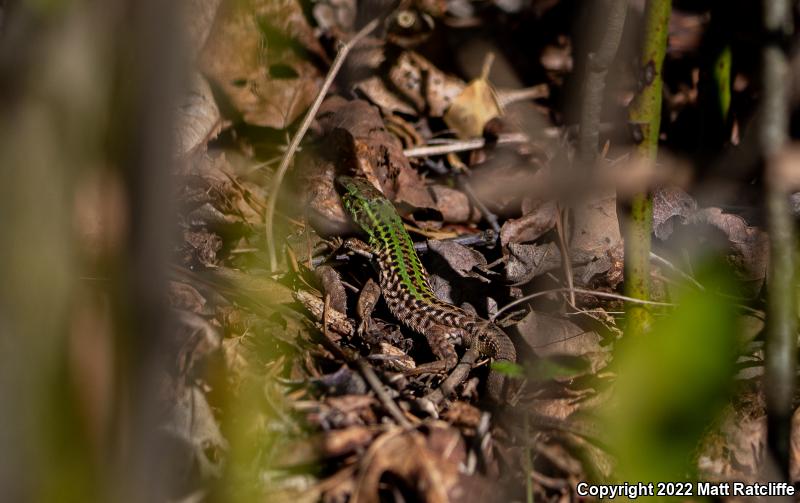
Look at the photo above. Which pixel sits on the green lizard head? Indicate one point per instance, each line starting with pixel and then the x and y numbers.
pixel 367 206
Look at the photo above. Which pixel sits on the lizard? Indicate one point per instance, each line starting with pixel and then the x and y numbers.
pixel 407 291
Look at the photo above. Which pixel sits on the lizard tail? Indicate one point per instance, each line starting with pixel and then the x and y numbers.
pixel 501 349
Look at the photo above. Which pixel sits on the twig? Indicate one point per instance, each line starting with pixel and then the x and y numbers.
pixel 455 378
pixel 607 295
pixel 487 214
pixel 566 261
pixel 781 341
pixel 380 392
pixel 463 145
pixel 509 96
pixel 674 268
pixel 365 369
pixel 298 136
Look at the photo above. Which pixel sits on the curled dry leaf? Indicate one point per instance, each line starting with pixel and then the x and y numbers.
pixel 378 153
pixel 197 119
pixel 405 455
pixel 333 288
pixel 259 55
pixel 200 247
pixel 749 244
pixel 370 293
pixel 199 340
pixel 428 465
pixel 527 261
pixel 186 297
pixel 461 259
pixel 418 81
pixel 344 381
pixel 735 450
pixel 463 414
pixel 476 105
pixel 669 204
pixel 199 19
pixel 192 422
pixel 531 226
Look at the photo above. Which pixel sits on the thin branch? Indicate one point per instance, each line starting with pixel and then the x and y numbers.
pixel 463 145
pixel 566 261
pixel 269 214
pixel 456 377
pixel 607 295
pixel 486 212
pixel 666 263
pixel 365 369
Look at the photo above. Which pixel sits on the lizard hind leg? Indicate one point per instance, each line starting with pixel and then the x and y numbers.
pixel 440 339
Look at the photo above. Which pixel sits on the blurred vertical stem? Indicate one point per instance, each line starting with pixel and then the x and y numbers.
pixel 722 78
pixel 781 342
pixel 597 64
pixel 645 118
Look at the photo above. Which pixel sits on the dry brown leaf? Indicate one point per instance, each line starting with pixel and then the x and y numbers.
pixel 454 205
pixel 405 455
pixel 531 226
pixel 373 150
pixel 429 89
pixel 669 204
pixel 461 259
pixel 259 55
pixel 198 118
pixel 463 414
pixel 550 336
pixel 596 228
pixel 749 244
pixel 186 297
pixel 427 465
pixel 192 421
pixel 476 105
pixel 333 288
pixel 524 262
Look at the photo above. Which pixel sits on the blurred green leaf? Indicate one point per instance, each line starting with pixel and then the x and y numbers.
pixel 556 367
pixel 672 383
pixel 508 368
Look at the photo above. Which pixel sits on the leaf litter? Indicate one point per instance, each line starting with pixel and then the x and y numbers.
pixel 290 359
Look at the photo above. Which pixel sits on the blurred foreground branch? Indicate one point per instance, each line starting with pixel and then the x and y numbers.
pixel 781 345
pixel 597 65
